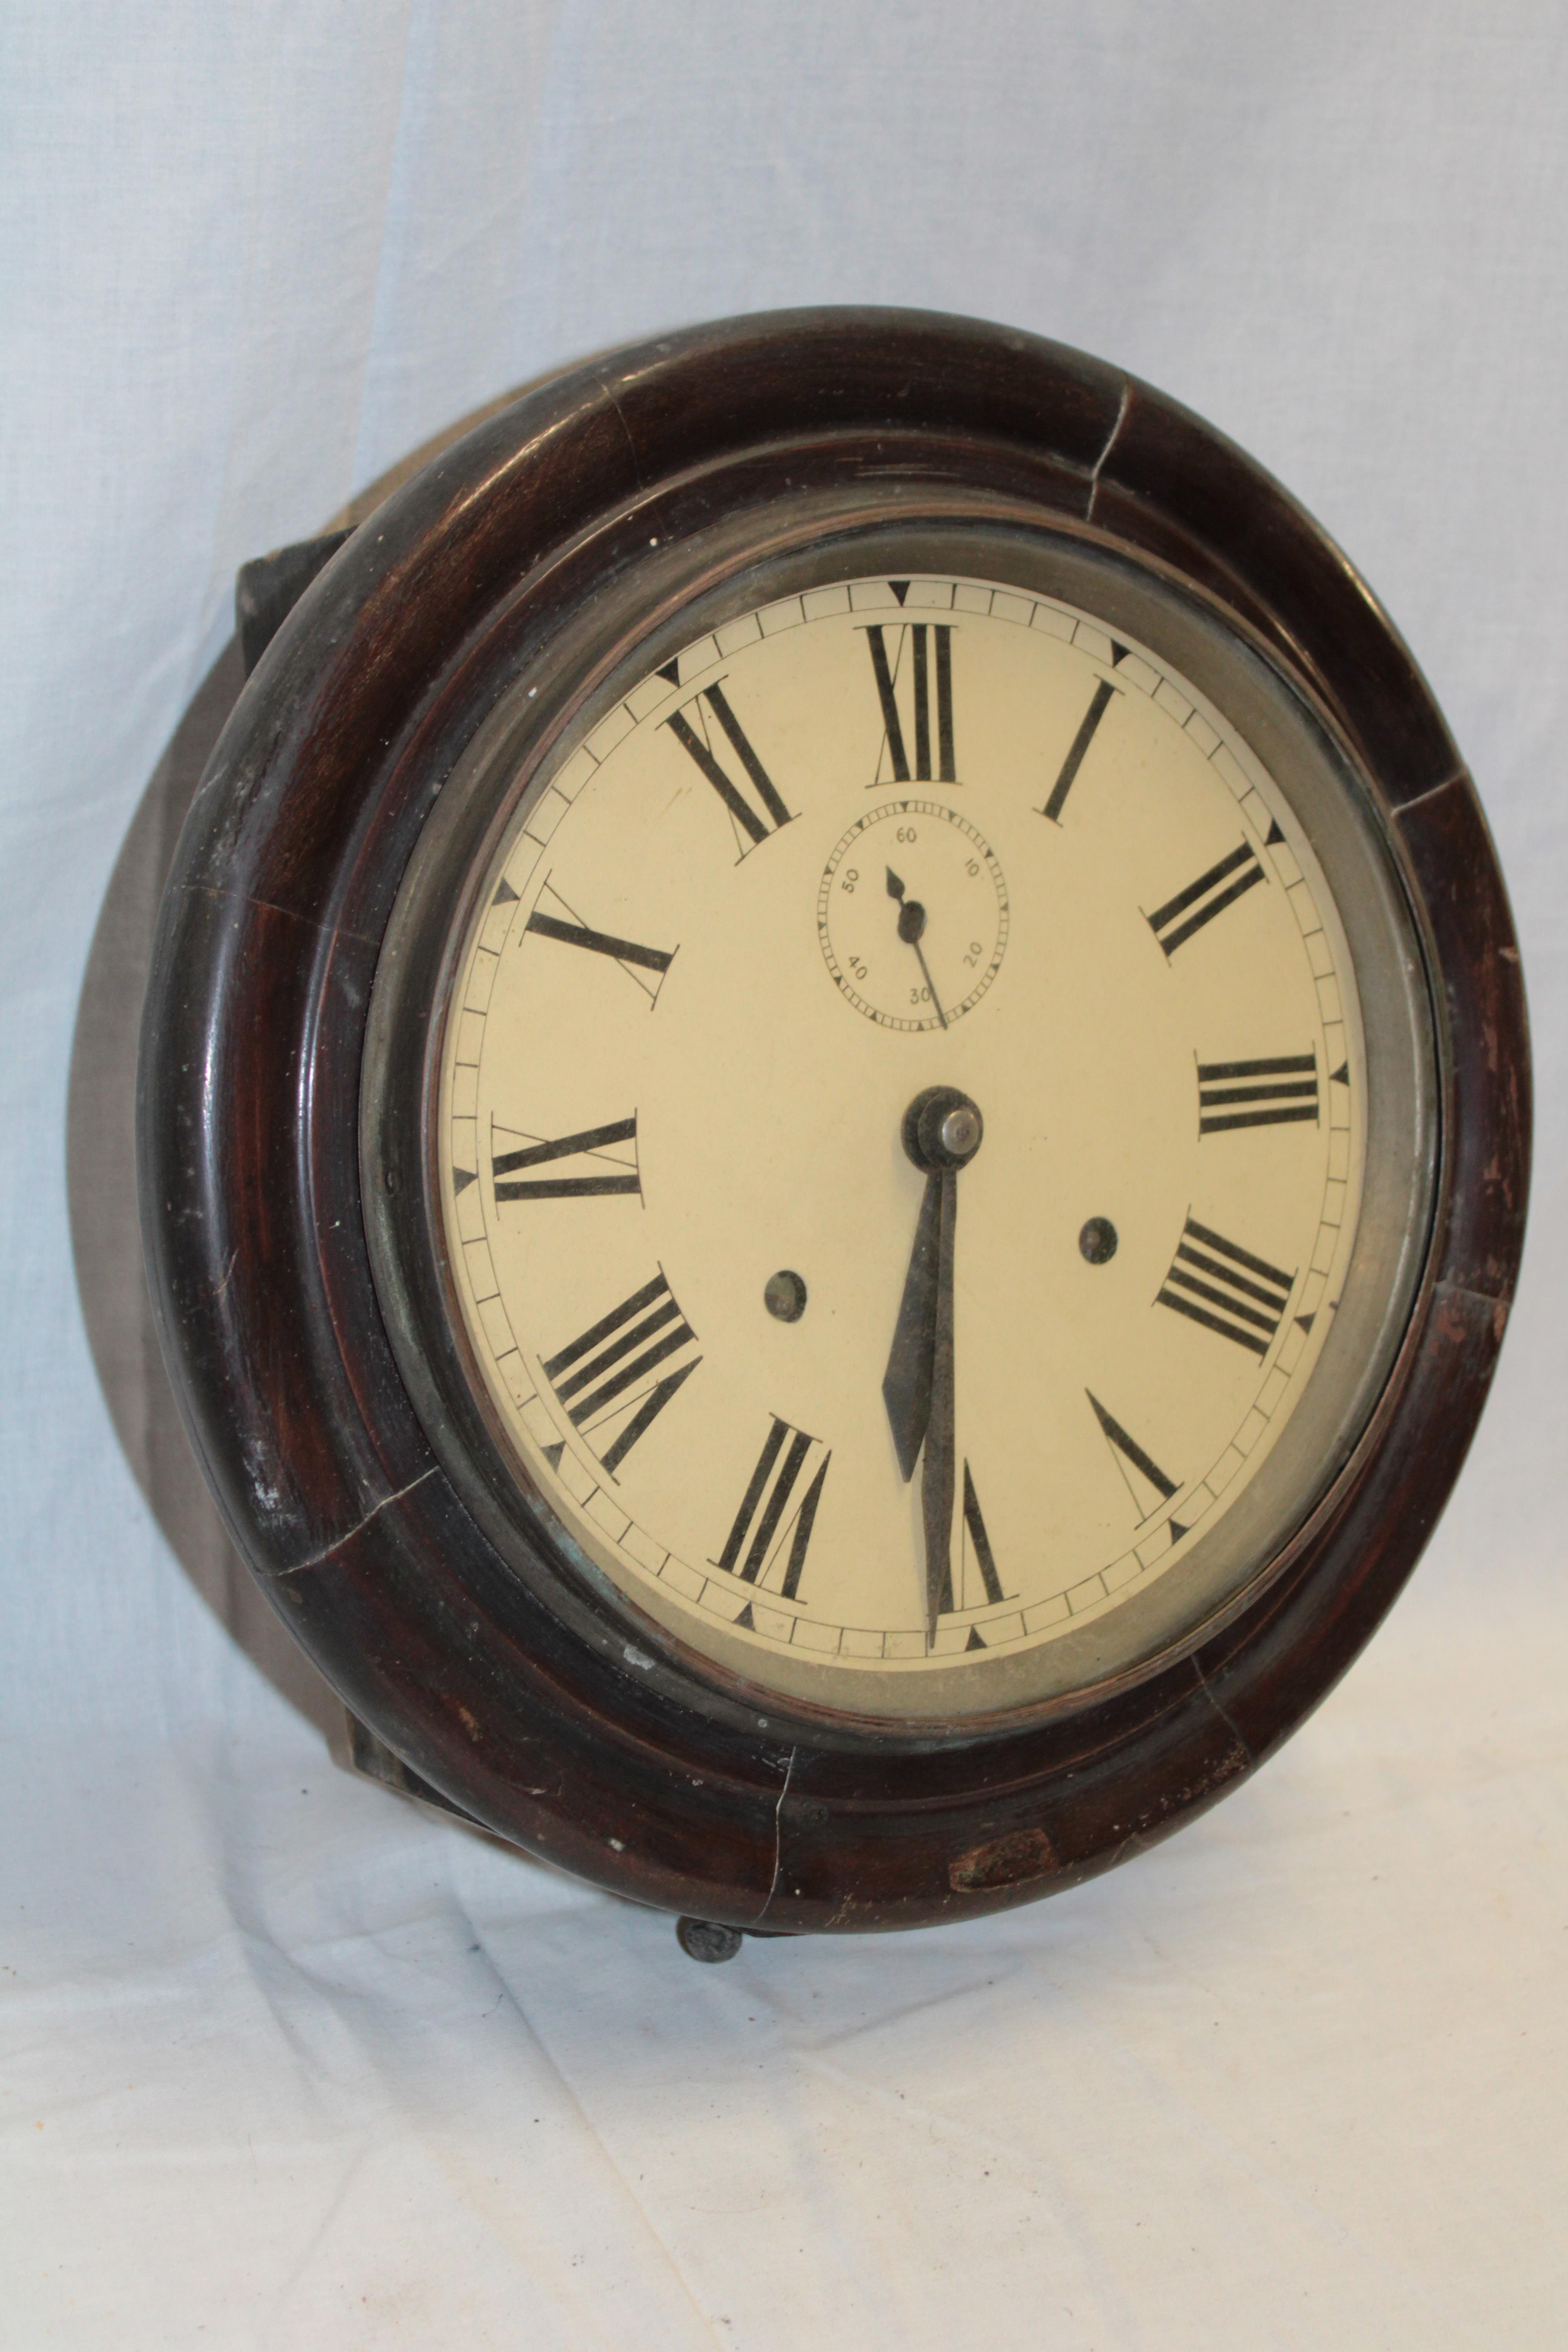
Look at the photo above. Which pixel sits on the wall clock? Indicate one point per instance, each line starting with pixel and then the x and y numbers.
pixel 834 1118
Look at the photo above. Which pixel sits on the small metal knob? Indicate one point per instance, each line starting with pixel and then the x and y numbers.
pixel 707 1939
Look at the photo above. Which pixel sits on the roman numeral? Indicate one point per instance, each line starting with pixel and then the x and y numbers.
pixel 1132 1462
pixel 743 814
pixel 1245 1305
pixel 754 1550
pixel 977 1547
pixel 1209 895
pixel 923 658
pixel 593 1143
pixel 635 960
pixel 1257 1094
pixel 1098 704
pixel 603 1376
pixel 604 943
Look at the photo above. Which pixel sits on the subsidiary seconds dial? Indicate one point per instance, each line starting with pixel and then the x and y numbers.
pixel 915 952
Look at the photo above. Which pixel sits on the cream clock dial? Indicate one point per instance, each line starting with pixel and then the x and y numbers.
pixel 819 1395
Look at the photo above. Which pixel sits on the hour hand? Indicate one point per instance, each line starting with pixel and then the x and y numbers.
pixel 906 1383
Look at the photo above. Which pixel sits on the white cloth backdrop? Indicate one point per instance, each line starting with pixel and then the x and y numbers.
pixel 289 2064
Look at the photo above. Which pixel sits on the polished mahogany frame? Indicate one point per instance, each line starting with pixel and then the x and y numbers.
pixel 249 1111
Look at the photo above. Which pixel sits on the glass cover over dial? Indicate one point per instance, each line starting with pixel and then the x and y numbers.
pixel 901 1138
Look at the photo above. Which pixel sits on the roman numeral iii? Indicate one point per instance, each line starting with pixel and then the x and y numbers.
pixel 920 659
pixel 1177 922
pixel 605 1376
pixel 1274 1093
pixel 1225 1289
pixel 754 1548
pixel 693 735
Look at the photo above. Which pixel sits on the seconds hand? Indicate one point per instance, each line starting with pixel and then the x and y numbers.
pixel 911 923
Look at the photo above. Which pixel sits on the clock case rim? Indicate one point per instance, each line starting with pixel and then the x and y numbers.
pixel 267 949
pixel 538 721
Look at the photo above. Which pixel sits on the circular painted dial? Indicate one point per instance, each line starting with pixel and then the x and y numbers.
pixel 813 1390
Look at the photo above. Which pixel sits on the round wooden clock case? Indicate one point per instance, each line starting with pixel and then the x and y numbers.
pixel 608 555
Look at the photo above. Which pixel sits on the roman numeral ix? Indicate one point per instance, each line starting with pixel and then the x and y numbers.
pixel 695 739
pixel 593 1143
pixel 923 659
pixel 755 1547
pixel 1202 901
pixel 606 1371
pixel 1257 1094
pixel 1225 1289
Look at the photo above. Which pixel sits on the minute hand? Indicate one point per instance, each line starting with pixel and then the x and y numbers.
pixel 936 1469
pixel 941 1133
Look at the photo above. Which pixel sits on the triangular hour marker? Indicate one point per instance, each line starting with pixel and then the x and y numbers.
pixel 1306 1321
pixel 1273 834
pixel 974 1642
pixel 671 670
pixel 504 892
pixel 1117 653
pixel 553 1455
pixel 1342 1077
pixel 745 1620
pixel 1177 1530
pixel 462 1178
pixel 901 589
